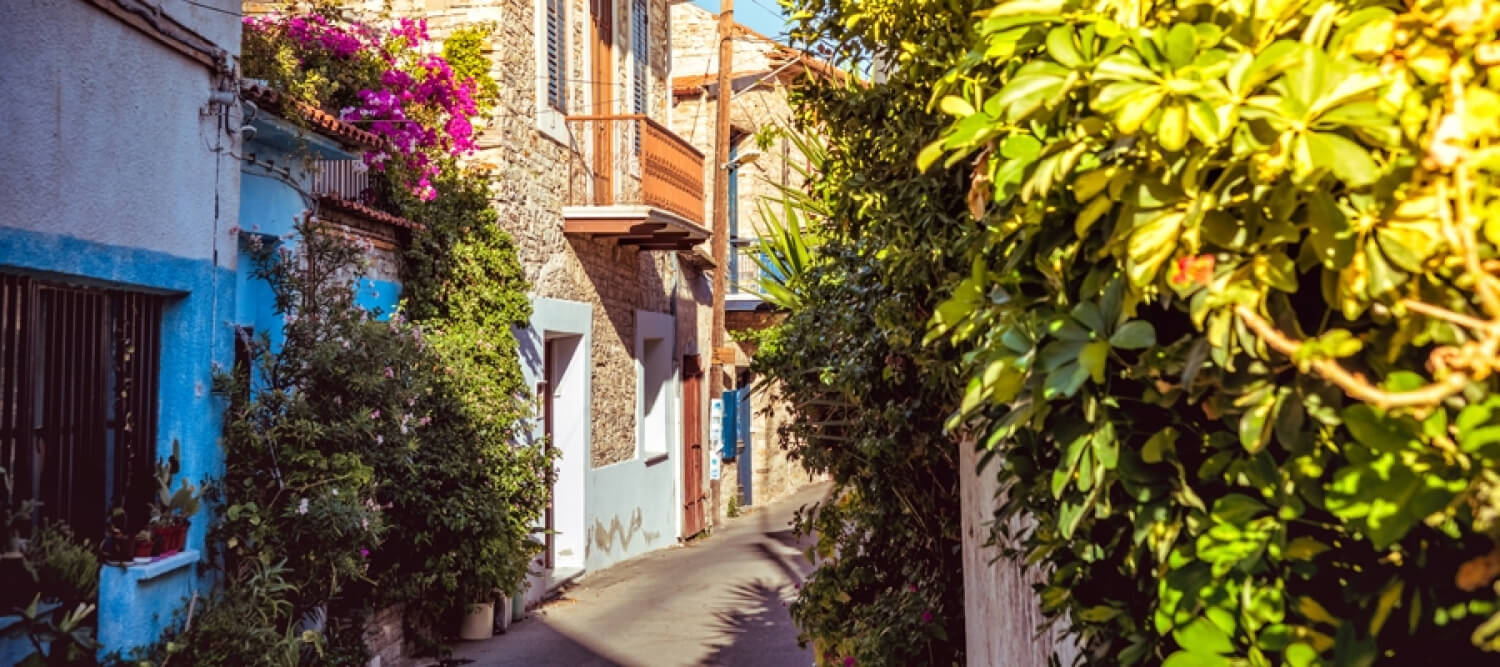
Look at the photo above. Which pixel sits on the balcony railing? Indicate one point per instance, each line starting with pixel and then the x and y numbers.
pixel 634 160
pixel 346 179
pixel 744 273
pixel 346 186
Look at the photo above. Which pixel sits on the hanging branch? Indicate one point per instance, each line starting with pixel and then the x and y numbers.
pixel 1353 384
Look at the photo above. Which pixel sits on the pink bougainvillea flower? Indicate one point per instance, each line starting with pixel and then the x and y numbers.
pixel 419 107
pixel 926 617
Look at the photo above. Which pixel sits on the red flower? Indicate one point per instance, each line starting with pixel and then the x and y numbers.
pixel 1192 271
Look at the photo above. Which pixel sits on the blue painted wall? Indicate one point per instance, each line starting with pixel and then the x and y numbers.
pixel 271 204
pixel 204 303
pixel 195 336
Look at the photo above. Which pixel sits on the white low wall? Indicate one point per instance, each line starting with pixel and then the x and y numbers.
pixel 1001 611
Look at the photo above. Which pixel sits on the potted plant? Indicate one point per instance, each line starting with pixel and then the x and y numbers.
pixel 182 506
pixel 144 546
pixel 119 545
pixel 172 511
pixel 479 621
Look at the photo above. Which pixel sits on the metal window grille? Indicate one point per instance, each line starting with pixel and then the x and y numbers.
pixel 78 386
pixel 557 96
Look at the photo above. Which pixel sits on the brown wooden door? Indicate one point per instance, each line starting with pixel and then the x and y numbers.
pixel 602 73
pixel 693 498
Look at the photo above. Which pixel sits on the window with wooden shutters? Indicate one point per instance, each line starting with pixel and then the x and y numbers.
pixel 78 387
pixel 557 62
pixel 641 49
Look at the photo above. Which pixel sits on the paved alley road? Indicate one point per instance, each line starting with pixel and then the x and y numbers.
pixel 717 601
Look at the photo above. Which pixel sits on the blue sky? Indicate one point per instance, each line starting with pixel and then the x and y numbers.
pixel 763 16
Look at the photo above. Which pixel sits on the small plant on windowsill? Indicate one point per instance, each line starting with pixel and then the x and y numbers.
pixel 171 511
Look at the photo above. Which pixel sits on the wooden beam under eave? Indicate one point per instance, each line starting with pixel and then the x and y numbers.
pixel 659 237
pixel 679 245
pixel 611 227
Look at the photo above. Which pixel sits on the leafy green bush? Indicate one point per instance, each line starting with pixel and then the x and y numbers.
pixel 1230 320
pixel 64 572
pixel 870 398
pixel 250 622
pixel 464 284
pixel 378 459
pixel 316 430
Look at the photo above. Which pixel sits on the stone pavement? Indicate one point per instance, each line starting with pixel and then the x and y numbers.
pixel 719 600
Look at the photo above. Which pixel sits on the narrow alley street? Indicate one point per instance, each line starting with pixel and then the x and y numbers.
pixel 720 600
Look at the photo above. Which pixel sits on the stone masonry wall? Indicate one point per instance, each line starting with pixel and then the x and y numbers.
pixel 537 175
pixel 695 44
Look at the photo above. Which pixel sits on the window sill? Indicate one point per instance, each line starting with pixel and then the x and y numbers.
pixel 655 459
pixel 139 572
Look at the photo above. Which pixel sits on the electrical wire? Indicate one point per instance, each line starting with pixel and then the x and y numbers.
pixel 213 8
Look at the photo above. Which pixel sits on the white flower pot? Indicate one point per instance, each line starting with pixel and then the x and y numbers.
pixel 479 622
pixel 503 615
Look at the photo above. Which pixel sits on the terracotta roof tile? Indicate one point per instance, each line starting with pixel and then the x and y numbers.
pixel 323 122
pixel 366 211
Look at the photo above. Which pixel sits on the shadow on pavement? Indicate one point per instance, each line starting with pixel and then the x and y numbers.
pixel 756 629
pixel 561 650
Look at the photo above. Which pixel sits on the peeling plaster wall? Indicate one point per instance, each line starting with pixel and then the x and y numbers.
pixel 630 510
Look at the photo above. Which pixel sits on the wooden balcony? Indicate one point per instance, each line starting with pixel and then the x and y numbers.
pixel 634 181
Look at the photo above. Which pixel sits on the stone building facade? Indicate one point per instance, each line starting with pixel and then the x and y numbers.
pixel 602 306
pixel 760 120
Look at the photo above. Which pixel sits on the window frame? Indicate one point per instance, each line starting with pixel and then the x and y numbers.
pixel 659 328
pixel 640 66
pixel 88 393
pixel 550 119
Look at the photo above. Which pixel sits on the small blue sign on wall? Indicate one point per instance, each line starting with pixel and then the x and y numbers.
pixel 729 425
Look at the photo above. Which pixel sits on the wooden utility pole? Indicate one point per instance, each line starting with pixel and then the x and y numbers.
pixel 721 212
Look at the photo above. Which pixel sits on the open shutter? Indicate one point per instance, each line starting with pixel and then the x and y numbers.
pixel 556 56
pixel 639 17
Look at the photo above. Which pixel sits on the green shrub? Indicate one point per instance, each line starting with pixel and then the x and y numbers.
pixel 64 573
pixel 874 239
pixel 1229 321
pixel 464 284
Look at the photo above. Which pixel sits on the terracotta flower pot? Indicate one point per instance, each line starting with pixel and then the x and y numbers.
pixel 161 540
pixel 143 549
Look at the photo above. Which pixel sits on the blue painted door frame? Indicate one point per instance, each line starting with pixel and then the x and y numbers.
pixel 745 463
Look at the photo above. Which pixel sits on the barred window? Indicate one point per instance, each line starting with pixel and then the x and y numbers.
pixel 78 387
